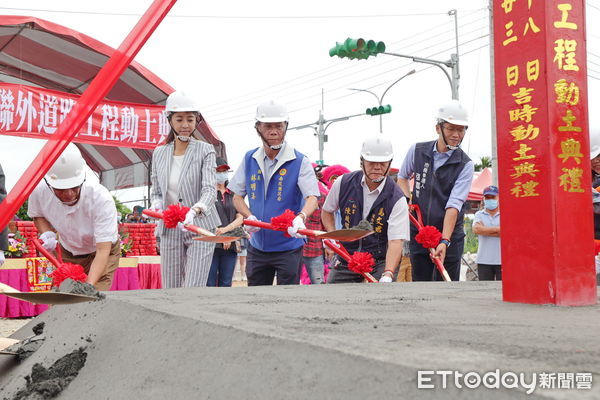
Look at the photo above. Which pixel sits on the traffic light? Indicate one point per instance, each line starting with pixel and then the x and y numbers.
pixel 357 49
pixel 379 110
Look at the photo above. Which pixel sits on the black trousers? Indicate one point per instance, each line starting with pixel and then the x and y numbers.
pixel 424 270
pixel 262 266
pixel 489 272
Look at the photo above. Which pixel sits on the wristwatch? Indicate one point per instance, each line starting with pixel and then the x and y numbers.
pixel 446 242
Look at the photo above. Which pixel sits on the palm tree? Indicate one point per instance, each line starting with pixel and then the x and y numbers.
pixel 486 162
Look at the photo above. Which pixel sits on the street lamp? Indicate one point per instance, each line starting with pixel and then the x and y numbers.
pixel 380 99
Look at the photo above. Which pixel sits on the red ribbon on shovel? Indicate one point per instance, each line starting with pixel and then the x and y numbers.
pixel 358 262
pixel 418 222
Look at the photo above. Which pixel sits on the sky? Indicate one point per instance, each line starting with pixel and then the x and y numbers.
pixel 233 55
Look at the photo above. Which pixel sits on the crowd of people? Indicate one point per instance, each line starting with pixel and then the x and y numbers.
pixel 80 216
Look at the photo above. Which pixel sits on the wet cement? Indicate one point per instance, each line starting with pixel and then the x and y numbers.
pixel 355 341
pixel 45 383
pixel 364 224
pixel 29 345
pixel 237 232
pixel 76 287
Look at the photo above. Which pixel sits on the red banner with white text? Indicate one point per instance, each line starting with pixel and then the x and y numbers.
pixel 36 113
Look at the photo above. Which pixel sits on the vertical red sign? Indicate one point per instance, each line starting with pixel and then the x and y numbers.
pixel 543 152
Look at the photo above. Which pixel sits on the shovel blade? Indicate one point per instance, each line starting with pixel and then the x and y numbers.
pixel 346 235
pixel 51 297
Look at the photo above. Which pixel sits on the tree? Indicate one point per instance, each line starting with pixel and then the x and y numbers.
pixel 22 213
pixel 122 208
pixel 486 162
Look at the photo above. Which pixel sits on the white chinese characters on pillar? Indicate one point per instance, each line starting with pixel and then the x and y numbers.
pixel 163 126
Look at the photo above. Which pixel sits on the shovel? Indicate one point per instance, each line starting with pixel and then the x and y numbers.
pixel 45 297
pixel 207 236
pixel 7 342
pixel 344 235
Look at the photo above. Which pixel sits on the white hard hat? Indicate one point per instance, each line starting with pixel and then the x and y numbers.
pixel 271 111
pixel 180 102
pixel 594 144
pixel 377 149
pixel 453 113
pixel 68 171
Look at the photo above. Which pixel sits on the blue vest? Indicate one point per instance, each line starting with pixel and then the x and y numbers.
pixel 351 208
pixel 283 193
pixel 431 192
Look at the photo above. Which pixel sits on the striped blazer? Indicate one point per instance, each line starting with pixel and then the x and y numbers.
pixel 197 183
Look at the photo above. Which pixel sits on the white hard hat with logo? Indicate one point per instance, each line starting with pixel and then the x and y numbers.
pixel 453 113
pixel 68 171
pixel 271 111
pixel 377 149
pixel 180 102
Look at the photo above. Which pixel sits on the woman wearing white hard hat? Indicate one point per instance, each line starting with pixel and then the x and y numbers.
pixel 183 171
pixel 369 194
pixel 84 215
pixel 443 175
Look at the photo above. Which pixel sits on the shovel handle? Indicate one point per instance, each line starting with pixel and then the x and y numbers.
pixel 153 214
pixel 198 230
pixel 342 252
pixel 419 224
pixel 45 252
pixel 259 224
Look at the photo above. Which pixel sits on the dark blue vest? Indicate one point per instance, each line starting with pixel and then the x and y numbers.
pixel 283 193
pixel 351 208
pixel 432 190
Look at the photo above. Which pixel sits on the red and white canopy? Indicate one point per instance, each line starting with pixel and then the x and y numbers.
pixel 39 53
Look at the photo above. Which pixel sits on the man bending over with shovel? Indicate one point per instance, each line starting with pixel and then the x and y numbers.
pixel 369 194
pixel 83 214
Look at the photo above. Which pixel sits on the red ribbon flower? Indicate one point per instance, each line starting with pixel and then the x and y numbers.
pixel 596 247
pixel 283 221
pixel 361 262
pixel 65 271
pixel 174 214
pixel 429 237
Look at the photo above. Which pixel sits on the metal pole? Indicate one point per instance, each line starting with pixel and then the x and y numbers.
pixel 321 136
pixel 99 87
pixel 493 100
pixel 455 58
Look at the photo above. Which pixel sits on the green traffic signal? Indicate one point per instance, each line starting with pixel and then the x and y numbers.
pixel 357 49
pixel 379 110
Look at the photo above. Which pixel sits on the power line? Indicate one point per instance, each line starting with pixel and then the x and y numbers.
pixel 252 96
pixel 229 17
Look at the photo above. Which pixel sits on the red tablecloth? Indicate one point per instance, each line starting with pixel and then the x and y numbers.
pixel 129 276
pixel 149 273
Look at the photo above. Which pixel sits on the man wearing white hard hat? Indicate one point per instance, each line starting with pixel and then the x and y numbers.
pixel 369 194
pixel 274 177
pixel 442 178
pixel 82 213
pixel 183 171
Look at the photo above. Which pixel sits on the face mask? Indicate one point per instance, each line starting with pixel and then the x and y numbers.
pixel 490 204
pixel 222 177
pixel 183 138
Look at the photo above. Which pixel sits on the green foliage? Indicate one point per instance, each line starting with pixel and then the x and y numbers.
pixel 486 162
pixel 471 242
pixel 122 208
pixel 22 213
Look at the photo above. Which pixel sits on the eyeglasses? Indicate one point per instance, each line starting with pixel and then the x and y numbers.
pixel 454 129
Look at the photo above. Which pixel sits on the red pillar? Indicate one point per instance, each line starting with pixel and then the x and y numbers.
pixel 543 152
pixel 99 87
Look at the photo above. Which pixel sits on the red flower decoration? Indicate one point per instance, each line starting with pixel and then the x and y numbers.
pixel 429 237
pixel 596 247
pixel 283 221
pixel 174 214
pixel 361 262
pixel 67 270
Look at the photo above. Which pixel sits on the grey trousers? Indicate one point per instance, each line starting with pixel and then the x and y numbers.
pixel 340 273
